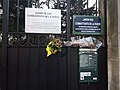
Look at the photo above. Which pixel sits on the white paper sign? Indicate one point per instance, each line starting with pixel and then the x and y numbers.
pixel 42 20
pixel 84 74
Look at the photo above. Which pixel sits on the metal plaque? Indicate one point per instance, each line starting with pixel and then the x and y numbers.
pixel 88 65
pixel 87 25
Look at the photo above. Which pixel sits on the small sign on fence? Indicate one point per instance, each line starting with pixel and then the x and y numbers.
pixel 88 68
pixel 87 25
pixel 42 20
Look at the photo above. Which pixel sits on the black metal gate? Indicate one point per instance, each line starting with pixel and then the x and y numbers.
pixel 24 61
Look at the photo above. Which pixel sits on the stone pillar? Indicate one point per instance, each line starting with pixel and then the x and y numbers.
pixel 113 37
pixel 119 37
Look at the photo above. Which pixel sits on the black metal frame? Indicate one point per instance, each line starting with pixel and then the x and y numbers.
pixel 5 32
pixel 4 41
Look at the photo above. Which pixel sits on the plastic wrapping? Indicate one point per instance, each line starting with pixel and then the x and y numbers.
pixel 89 42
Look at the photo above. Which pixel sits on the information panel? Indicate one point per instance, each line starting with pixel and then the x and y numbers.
pixel 88 65
pixel 42 20
pixel 87 25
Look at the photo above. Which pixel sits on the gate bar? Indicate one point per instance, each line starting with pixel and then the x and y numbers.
pixel 68 48
pixel 4 42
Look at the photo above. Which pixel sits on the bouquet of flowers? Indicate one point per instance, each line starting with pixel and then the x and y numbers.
pixel 54 46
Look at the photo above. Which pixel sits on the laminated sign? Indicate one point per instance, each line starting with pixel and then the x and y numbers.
pixel 87 25
pixel 42 20
pixel 88 69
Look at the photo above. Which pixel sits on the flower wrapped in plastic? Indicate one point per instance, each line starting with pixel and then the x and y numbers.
pixel 54 46
pixel 85 42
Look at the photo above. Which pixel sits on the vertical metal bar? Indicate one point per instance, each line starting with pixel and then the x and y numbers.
pixel 39 62
pixel 68 19
pixel 68 49
pixel 4 44
pixel 17 67
pixel 17 42
pixel 105 28
pixel 58 3
pixel 105 21
pixel 28 65
pixel 28 3
pixel 87 8
pixel 48 4
pixel 35 4
pixel 38 4
pixel 28 70
pixel 28 37
pixel 78 6
pixel 96 7
pixel 18 6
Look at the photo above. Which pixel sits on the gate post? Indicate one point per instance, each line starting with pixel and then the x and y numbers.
pixel 4 42
pixel 68 48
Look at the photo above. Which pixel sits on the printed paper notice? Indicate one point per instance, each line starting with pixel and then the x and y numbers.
pixel 84 74
pixel 42 20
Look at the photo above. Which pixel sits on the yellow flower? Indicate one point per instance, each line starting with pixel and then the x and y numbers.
pixel 53 47
pixel 48 49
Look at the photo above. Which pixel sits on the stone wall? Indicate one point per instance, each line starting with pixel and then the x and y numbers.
pixel 113 38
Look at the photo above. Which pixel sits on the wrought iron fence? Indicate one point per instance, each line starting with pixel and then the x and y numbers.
pixel 12 32
pixel 16 18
